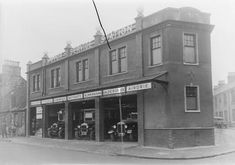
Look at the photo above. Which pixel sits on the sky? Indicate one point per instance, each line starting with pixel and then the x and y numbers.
pixel 29 28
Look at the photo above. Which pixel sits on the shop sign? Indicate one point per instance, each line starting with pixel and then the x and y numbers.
pixel 139 87
pixel 39 109
pixel 92 94
pixel 114 91
pixel 75 97
pixel 60 99
pixel 47 101
pixel 35 102
pixel 39 113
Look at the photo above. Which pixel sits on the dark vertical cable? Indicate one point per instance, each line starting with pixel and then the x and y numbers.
pixel 101 24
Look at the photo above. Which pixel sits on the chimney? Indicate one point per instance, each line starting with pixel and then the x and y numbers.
pixel 98 37
pixel 45 59
pixel 28 66
pixel 139 19
pixel 68 48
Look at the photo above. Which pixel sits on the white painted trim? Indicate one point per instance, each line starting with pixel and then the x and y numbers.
pixel 196 40
pixel 155 34
pixel 198 99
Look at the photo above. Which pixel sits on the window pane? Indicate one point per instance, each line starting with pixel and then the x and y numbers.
pixel 189 55
pixel 190 48
pixel 38 82
pixel 192 103
pixel 52 78
pixel 114 67
pixel 191 98
pixel 122 60
pixel 113 62
pixel 123 64
pixel 57 77
pixel 156 56
pixel 34 83
pixel 86 70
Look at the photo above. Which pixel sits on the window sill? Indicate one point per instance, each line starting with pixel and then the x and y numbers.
pixel 36 92
pixel 117 74
pixel 81 82
pixel 193 111
pixel 55 87
pixel 191 64
pixel 156 65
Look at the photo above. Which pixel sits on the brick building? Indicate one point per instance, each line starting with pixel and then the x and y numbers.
pixel 224 100
pixel 13 97
pixel 159 68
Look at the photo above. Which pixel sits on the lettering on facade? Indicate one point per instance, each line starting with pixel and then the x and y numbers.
pixel 120 32
pixel 75 97
pixel 60 99
pixel 57 57
pixel 93 94
pixel 35 102
pixel 114 91
pixel 47 101
pixel 83 47
pixel 139 87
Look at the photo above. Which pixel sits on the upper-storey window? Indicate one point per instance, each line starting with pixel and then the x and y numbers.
pixel 118 61
pixel 192 99
pixel 55 77
pixel 36 82
pixel 82 70
pixel 156 52
pixel 190 52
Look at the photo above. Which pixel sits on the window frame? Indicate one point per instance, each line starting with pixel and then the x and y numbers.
pixel 53 81
pixel 118 61
pixel 198 99
pixel 196 47
pixel 82 70
pixel 151 64
pixel 36 82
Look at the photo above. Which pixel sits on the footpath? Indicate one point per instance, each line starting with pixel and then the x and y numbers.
pixel 224 144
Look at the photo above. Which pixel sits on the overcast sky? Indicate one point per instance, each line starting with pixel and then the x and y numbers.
pixel 29 28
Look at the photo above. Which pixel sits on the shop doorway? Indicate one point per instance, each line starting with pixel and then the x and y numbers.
pixel 55 121
pixel 36 121
pixel 83 114
pixel 120 118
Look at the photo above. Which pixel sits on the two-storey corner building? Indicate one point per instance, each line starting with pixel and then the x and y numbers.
pixel 158 68
pixel 224 100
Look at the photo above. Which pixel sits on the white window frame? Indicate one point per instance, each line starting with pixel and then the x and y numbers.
pixel 54 85
pixel 150 49
pixel 117 49
pixel 35 87
pixel 198 99
pixel 196 47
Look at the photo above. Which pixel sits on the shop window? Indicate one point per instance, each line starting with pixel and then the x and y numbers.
pixel 55 77
pixel 36 82
pixel 118 62
pixel 82 70
pixel 192 99
pixel 190 53
pixel 156 52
